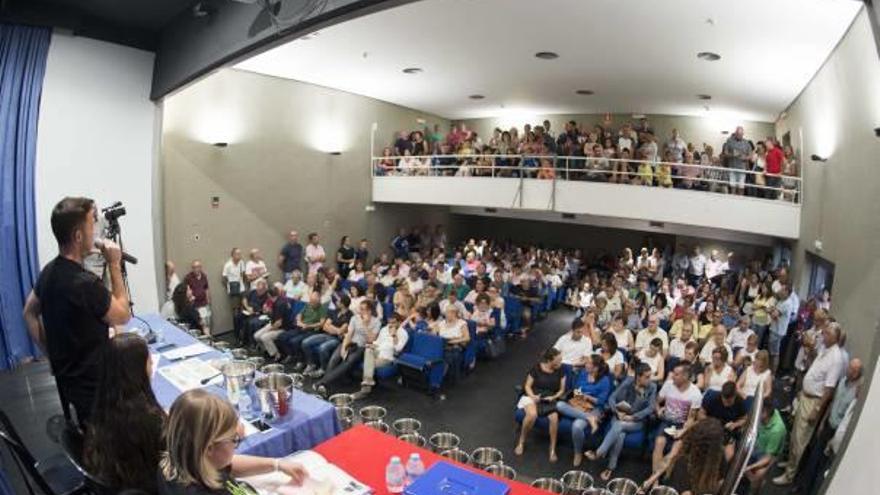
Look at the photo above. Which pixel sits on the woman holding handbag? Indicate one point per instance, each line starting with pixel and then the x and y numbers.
pixel 545 384
pixel 592 386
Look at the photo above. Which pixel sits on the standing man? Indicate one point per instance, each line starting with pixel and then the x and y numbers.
pixel 816 394
pixel 697 267
pixel 362 252
pixel 314 254
pixel 780 317
pixel 291 256
pixel 736 153
pixel 198 284
pixel 69 310
pixel 676 146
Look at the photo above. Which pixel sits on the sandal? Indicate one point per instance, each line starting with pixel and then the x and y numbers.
pixel 591 455
pixel 606 474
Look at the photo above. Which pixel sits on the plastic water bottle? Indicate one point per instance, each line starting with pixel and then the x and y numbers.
pixel 414 468
pixel 395 476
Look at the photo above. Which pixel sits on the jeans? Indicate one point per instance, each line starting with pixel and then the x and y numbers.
pixel 290 343
pixel 453 357
pixel 613 442
pixel 578 427
pixel 318 348
pixel 338 366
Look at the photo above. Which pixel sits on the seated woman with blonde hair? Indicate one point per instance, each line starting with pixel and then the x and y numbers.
pixel 201 435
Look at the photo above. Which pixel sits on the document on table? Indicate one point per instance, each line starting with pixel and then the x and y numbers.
pixel 188 374
pixel 187 351
pixel 324 479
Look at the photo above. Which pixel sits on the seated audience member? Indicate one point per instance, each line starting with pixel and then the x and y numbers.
pixel 454 331
pixel 528 295
pixel 591 389
pixel 678 344
pixel 319 347
pixel 295 288
pixel 390 342
pixel 678 402
pixel 739 335
pixel 718 372
pixel 646 336
pixel 201 434
pixel 653 357
pixel 123 440
pixel 746 356
pixel 255 268
pixel 687 317
pixel 613 358
pixel 699 465
pixel 631 404
pixel 574 346
pixel 254 312
pixel 717 340
pixel 544 386
pixel 185 312
pixel 451 301
pixel 729 408
pixel 363 328
pixel 309 323
pixel 623 335
pixel 357 273
pixel 280 322
pixel 482 315
pixel 696 375
pixel 768 447
pixel 758 371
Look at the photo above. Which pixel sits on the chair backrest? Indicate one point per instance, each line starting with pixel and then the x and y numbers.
pixel 23 456
pixel 428 346
pixel 73 445
pixel 296 308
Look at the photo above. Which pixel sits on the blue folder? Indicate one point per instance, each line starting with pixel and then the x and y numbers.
pixel 444 478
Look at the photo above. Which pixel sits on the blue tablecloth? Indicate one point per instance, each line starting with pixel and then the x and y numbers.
pixel 309 421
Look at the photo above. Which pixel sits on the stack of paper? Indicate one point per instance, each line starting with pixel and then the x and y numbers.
pixel 187 351
pixel 323 479
pixel 188 374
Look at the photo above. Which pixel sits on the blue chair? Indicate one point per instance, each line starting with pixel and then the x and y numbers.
pixel 513 311
pixel 497 330
pixel 469 360
pixel 423 365
pixel 296 308
pixel 389 294
pixel 345 285
pixel 387 310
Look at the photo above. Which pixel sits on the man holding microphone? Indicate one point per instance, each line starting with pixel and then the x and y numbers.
pixel 69 311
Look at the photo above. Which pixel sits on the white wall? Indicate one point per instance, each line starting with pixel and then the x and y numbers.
pixel 96 138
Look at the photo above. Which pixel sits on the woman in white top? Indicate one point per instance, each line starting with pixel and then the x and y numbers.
pixel 754 374
pixel 717 340
pixel 357 273
pixel 719 372
pixel 585 297
pixel 613 357
pixel 454 331
pixel 622 334
pixel 653 357
pixel 479 288
pixel 388 344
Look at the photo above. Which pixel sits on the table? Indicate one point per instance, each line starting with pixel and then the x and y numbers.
pixel 364 452
pixel 309 421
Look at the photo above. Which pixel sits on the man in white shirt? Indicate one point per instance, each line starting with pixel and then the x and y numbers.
pixel 381 352
pixel 574 346
pixel 697 266
pixel 714 267
pixel 678 403
pixel 233 278
pixel 739 335
pixel 645 336
pixel 295 288
pixel 255 268
pixel 817 391
pixel 314 253
pixel 780 317
pixel 415 282
pixel 676 145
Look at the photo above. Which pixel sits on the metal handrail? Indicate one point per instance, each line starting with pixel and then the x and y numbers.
pixel 472 161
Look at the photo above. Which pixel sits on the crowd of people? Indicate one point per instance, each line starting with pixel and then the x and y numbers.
pixel 677 347
pixel 631 154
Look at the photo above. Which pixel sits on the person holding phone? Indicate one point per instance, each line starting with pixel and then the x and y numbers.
pixel 545 384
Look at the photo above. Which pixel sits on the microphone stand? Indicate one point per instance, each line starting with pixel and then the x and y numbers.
pixel 114 233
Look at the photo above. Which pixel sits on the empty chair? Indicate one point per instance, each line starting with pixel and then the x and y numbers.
pixel 423 365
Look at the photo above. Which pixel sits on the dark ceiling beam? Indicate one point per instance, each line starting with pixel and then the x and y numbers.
pixel 191 47
pixel 76 21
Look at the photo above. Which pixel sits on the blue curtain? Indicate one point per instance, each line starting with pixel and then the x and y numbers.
pixel 23 52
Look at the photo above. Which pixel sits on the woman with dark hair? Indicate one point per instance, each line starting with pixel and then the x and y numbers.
pixel 363 328
pixel 123 440
pixel 699 466
pixel 544 385
pixel 592 386
pixel 613 357
pixel 345 257
pixel 184 310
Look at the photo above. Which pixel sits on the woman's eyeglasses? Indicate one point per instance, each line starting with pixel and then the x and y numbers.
pixel 235 441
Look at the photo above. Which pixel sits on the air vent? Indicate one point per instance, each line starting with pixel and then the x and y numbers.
pixel 657 225
pixel 568 216
pixel 490 210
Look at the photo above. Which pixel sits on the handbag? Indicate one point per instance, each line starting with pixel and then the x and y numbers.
pixel 234 288
pixel 581 402
pixel 495 347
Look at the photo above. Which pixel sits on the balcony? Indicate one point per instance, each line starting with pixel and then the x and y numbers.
pixel 565 189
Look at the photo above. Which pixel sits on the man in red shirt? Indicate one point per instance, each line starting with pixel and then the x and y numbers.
pixel 773 171
pixel 198 283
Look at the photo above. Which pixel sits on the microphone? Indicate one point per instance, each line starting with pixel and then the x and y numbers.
pixel 99 243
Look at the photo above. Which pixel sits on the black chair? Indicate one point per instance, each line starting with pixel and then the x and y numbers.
pixel 52 476
pixel 72 443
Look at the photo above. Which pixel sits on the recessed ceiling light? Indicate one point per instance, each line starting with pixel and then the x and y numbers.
pixel 413 70
pixel 547 55
pixel 708 56
pixel 704 97
pixel 476 97
pixel 586 92
pixel 725 132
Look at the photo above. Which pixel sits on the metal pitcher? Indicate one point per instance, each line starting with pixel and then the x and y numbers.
pixel 405 426
pixel 413 439
pixel 272 368
pixel 378 425
pixel 484 457
pixel 623 486
pixel 345 416
pixel 239 353
pixel 552 485
pixel 274 391
pixel 341 400
pixel 663 490
pixel 457 455
pixel 597 491
pixel 237 376
pixel 576 482
pixel 502 471
pixel 372 413
pixel 443 441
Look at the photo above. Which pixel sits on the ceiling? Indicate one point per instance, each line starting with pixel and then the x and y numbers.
pixel 637 56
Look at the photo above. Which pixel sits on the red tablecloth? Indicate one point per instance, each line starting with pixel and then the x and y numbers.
pixel 364 452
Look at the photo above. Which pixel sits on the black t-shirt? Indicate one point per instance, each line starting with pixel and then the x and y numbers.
pixel 190 317
pixel 281 311
pixel 340 318
pixel 519 291
pixel 293 256
pixel 346 253
pixel 73 303
pixel 716 409
pixel 545 384
pixel 361 255
pixel 174 488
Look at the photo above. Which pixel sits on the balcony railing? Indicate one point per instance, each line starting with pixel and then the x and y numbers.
pixel 643 173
